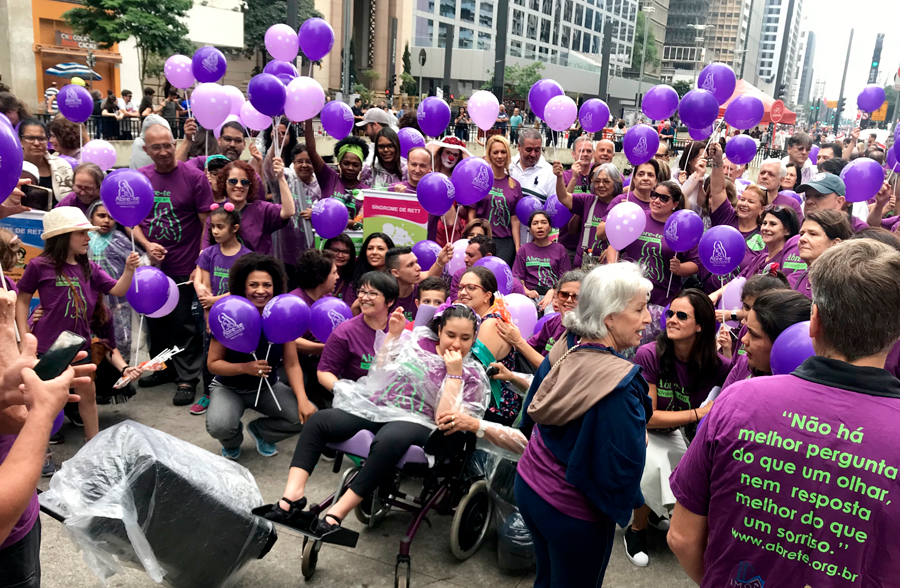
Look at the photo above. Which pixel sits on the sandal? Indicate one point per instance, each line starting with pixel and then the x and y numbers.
pixel 322 527
pixel 291 517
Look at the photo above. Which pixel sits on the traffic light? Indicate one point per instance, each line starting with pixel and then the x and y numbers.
pixel 393 81
pixel 876 58
pixel 387 92
pixel 782 91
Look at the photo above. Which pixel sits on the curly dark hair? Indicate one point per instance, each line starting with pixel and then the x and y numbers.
pixel 313 268
pixel 255 262
pixel 221 193
pixel 351 140
pixel 66 133
pixel 409 120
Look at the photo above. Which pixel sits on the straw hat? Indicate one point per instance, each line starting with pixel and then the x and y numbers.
pixel 65 219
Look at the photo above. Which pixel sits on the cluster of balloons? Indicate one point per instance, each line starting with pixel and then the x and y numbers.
pixel 549 103
pixel 152 292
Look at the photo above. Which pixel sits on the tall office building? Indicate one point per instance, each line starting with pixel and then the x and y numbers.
pixel 733 36
pixel 777 31
pixel 657 18
pixel 801 83
pixel 684 51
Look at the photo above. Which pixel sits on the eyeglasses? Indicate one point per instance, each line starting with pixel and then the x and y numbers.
pixel 370 294
pixel 85 189
pixel 564 296
pixel 471 288
pixel 664 198
pixel 682 316
pixel 234 182
pixel 661 157
pixel 161 147
pixel 232 140
pixel 773 208
pixel 389 146
pixel 34 139
pixel 337 252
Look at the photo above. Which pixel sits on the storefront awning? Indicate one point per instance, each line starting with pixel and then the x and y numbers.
pixel 67 52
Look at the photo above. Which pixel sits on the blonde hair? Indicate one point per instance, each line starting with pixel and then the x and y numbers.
pixel 487 152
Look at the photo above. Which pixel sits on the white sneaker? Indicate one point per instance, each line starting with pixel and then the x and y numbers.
pixel 636 547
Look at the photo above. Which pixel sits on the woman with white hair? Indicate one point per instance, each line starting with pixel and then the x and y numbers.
pixel 586 415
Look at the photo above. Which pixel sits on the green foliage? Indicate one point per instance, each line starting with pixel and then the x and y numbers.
pixel 259 15
pixel 369 77
pixel 682 87
pixel 155 25
pixel 407 63
pixel 652 58
pixel 408 84
pixel 517 80
pixel 366 94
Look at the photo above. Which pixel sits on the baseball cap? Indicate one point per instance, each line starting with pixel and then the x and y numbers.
pixel 825 183
pixel 379 116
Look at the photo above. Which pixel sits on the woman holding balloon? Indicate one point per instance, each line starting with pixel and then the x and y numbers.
pixel 258 279
pixel 606 184
pixel 821 229
pixel 350 153
pixel 387 167
pixel 778 224
pixel 499 206
pixel 55 174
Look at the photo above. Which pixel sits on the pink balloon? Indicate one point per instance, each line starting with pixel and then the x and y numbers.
pixel 99 152
pixel 625 223
pixel 305 99
pixel 210 105
pixel 483 109
pixel 235 99
pixel 560 113
pixel 254 119
pixel 179 72
pixel 230 118
pixel 282 42
pixel 171 301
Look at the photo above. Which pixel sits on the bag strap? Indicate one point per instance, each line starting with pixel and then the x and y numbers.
pixel 589 219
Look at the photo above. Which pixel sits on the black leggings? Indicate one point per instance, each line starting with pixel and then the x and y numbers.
pixel 334 425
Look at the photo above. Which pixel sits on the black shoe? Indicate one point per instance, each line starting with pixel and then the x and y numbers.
pixel 636 547
pixel 293 517
pixel 157 379
pixel 323 527
pixel 57 439
pixel 184 396
pixel 71 412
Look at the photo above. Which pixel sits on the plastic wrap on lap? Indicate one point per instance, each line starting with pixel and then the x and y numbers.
pixel 134 496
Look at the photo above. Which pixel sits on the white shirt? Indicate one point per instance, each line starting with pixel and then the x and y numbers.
pixel 130 107
pixel 538 180
pixel 806 172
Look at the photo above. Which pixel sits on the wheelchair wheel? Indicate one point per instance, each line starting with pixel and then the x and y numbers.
pixel 471 521
pixel 310 558
pixel 364 509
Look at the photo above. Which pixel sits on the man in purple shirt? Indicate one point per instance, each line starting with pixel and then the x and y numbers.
pixel 771 171
pixel 826 191
pixel 171 234
pixel 792 479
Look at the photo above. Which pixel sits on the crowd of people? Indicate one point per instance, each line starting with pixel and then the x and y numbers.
pixel 627 407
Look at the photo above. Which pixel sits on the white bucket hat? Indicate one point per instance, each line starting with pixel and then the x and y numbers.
pixel 65 219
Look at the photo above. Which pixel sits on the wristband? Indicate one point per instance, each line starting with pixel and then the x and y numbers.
pixel 734 316
pixel 452 377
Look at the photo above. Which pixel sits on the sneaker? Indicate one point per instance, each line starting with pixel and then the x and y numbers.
pixel 184 396
pixel 661 523
pixel 636 547
pixel 157 379
pixel 264 448
pixel 231 454
pixel 200 406
pixel 49 468
pixel 71 411
pixel 329 454
pixel 57 439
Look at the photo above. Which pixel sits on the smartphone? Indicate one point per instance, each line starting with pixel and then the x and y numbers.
pixel 60 355
pixel 36 197
pixel 491 371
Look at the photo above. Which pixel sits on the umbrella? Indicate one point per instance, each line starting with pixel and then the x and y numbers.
pixel 73 70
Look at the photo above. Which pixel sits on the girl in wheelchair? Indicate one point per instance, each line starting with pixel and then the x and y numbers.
pixel 416 378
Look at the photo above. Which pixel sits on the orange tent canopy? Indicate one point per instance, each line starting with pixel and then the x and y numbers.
pixel 742 87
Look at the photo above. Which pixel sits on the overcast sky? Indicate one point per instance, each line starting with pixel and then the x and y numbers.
pixel 832 20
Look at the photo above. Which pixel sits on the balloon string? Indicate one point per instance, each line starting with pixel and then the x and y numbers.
pixel 187 95
pixel 259 388
pixel 266 379
pixel 285 139
pixel 138 340
pixel 80 140
pixel 453 229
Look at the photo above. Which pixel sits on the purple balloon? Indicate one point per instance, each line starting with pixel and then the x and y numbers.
pixel 722 249
pixel 210 105
pixel 277 68
pixel 541 93
pixel 149 290
pixel 660 102
pixel 11 158
pixel 208 65
pixel 337 119
pixel 897 135
pixel 128 196
pixel 662 317
pixel 100 153
pixel 640 144
pixel 5 119
pixel 57 423
pixel 254 119
pixel 626 182
pixel 316 38
pixel 731 297
pixel 523 313
pixel 814 154
pixel 594 115
pixel 329 218
pixel 792 194
pixel 560 113
pixel 179 71
pixel 236 323
pixel 433 115
pixel 325 315
pixel 75 103
pixel 559 214
pixel 472 180
pixel 698 109
pixel 740 150
pixel 73 163
pixel 267 94
pixel 625 224
pixel 863 178
pixel 719 79
pixel 700 134
pixel 544 319
pixel 791 348
pixel 285 318
pixel 525 206
pixel 892 158
pixel 409 139
pixel 426 253
pixel 282 43
pixel 171 301
pixel 435 193
pixel 501 271
pixel 745 112
pixel 871 98
pixel 683 230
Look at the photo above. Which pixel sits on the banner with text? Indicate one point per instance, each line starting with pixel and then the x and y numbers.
pixel 399 216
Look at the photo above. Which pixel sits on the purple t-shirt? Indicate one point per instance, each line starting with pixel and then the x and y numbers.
pixel 517 288
pixel 782 200
pixel 218 265
pixel 892 363
pixel 551 331
pixel 784 466
pixel 68 299
pixel 740 370
pixel 25 523
pixel 259 219
pixel 582 183
pixel 540 267
pixel 680 395
pixel 891 223
pixel 72 200
pixel 181 196
pixel 344 291
pixel 799 281
pixel 333 187
pixel 651 251
pixel 350 350
pixel 199 163
pixel 858 224
pixel 792 262
pixel 408 303
pixel 581 206
pixel 499 206
pixel 628 197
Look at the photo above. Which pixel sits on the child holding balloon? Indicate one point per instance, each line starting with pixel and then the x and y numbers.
pixel 68 284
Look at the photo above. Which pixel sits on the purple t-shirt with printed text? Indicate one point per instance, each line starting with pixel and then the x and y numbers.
pixel 350 350
pixel 26 522
pixel 539 266
pixel 499 206
pixel 333 187
pixel 218 265
pixel 892 363
pixel 628 197
pixel 259 219
pixel 408 303
pixel 680 395
pixel 581 206
pixel 551 331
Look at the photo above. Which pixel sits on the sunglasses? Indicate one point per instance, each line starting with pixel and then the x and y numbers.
pixel 682 316
pixel 776 208
pixel 234 182
pixel 664 198
pixel 564 296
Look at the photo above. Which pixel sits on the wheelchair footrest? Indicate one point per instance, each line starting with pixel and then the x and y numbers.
pixel 340 536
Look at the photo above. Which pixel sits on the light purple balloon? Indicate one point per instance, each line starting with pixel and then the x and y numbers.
pixel 12 158
pixel 863 178
pixel 171 301
pixel 683 230
pixel 484 109
pixel 594 115
pixel 325 315
pixel 560 112
pixel 814 154
pixel 209 65
pixel 410 138
pixel 525 206
pixel 435 193
pixel 731 297
pixel 267 95
pixel 282 43
pixel 75 103
pixel 745 112
pixel 624 224
pixel 304 99
pixel 426 253
pixel 719 79
pixel 472 180
pixel 871 98
pixel 337 119
pixel 791 348
pixel 541 92
pixel 210 105
pixel 230 118
pixel 277 68
pixel 433 115
pixel 523 313
pixel 792 194
pixel 329 217
pixel 99 152
pixel 640 144
pixel 179 71
pixel 316 38
pixel 254 119
pixel 458 260
pixel 285 318
pixel 721 249
pixel 559 214
pixel 700 134
pixel 127 195
pixel 740 150
pixel 698 109
pixel 236 323
pixel 660 102
pixel 235 99
pixel 501 271
pixel 149 290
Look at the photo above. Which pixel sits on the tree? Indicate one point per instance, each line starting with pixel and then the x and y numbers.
pixel 682 87
pixel 517 79
pixel 155 25
pixel 652 57
pixel 408 84
pixel 369 77
pixel 259 15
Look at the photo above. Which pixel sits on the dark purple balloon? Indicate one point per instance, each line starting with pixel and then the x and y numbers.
pixel 236 323
pixel 277 68
pixel 863 178
pixel 541 93
pixel 337 119
pixel 640 144
pixel 660 102
pixel 208 65
pixel 435 193
pixel 329 218
pixel 128 196
pixel 267 94
pixel 501 271
pixel 791 348
pixel 683 230
pixel 719 79
pixel 325 315
pixel 409 139
pixel 472 180
pixel 745 112
pixel 149 290
pixel 892 158
pixel 740 150
pixel 559 214
pixel 285 318
pixel 722 249
pixel 594 115
pixel 871 98
pixel 316 38
pixel 75 103
pixel 426 253
pixel 57 423
pixel 433 115
pixel 814 154
pixel 526 206
pixel 544 319
pixel 700 134
pixel 11 159
pixel 698 109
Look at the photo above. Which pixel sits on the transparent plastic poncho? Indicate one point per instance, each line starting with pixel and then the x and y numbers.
pixel 138 497
pixel 408 382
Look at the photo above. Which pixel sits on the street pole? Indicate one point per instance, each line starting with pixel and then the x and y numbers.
pixel 643 57
pixel 746 40
pixel 837 113
pixel 697 40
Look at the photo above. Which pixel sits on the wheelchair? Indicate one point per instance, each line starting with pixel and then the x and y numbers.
pixel 448 488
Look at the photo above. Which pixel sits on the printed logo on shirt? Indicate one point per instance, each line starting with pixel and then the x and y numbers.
pixel 755 243
pixel 673 391
pixel 794 262
pixel 550 343
pixel 402 392
pixel 126 196
pixel 230 327
pixel 545 274
pixel 75 301
pixel 366 361
pixel 499 215
pixel 744 575
pixel 164 224
pixel 222 274
pixel 651 256
pixel 211 63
